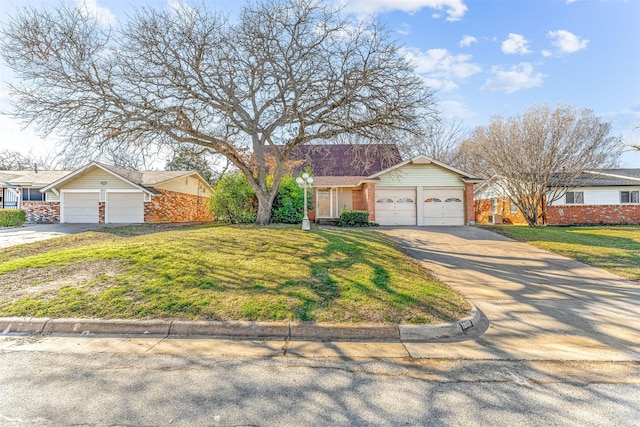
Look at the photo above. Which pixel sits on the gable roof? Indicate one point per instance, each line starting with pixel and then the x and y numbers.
pixel 145 180
pixel 344 160
pixel 425 160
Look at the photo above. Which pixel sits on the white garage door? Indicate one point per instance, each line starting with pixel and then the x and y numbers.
pixel 125 207
pixel 443 206
pixel 80 208
pixel 395 206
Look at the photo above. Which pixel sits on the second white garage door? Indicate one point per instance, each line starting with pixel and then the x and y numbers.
pixel 396 206
pixel 443 206
pixel 124 207
pixel 80 208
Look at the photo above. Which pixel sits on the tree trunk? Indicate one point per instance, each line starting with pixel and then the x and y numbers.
pixel 265 201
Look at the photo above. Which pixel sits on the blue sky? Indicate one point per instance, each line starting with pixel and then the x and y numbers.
pixel 484 57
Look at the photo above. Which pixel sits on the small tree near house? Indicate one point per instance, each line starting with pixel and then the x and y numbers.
pixel 284 74
pixel 537 154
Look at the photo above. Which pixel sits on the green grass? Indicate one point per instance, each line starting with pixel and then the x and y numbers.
pixel 616 249
pixel 223 273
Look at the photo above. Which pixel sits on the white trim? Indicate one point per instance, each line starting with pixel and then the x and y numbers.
pixel 62 192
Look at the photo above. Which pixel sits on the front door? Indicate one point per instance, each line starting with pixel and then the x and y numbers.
pixel 323 203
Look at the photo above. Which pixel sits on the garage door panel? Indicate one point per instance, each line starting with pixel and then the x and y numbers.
pixel 395 206
pixel 443 207
pixel 80 208
pixel 125 207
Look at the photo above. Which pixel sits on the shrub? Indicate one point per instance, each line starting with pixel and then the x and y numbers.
pixel 233 200
pixel 351 218
pixel 12 217
pixel 288 206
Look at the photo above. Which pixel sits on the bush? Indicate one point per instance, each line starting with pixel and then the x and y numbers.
pixel 288 206
pixel 12 217
pixel 351 218
pixel 233 200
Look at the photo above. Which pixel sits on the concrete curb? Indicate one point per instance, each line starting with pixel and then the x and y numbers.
pixel 286 331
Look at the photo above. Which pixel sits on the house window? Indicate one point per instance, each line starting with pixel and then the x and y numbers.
pixel 629 197
pixel 32 195
pixel 574 197
pixel 513 208
pixel 494 205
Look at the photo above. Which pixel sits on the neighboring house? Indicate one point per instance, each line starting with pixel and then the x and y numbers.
pixel 493 207
pixel 418 191
pixel 603 196
pixel 100 193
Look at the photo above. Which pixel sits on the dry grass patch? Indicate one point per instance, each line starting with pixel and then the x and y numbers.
pixel 226 273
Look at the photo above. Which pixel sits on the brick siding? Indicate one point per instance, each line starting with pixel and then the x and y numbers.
pixel 483 211
pixel 470 213
pixel 42 212
pixel 370 199
pixel 590 214
pixel 171 206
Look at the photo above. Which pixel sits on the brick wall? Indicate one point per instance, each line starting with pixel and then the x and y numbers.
pixel 470 213
pixel 42 212
pixel 358 201
pixel 590 214
pixel 483 211
pixel 369 197
pixel 171 206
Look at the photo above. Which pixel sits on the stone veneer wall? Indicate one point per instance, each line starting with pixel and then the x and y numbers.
pixel 171 206
pixel 41 212
pixel 592 214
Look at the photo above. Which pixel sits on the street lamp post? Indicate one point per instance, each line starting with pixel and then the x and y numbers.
pixel 305 181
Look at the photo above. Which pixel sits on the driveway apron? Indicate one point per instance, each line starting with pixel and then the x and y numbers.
pixel 540 305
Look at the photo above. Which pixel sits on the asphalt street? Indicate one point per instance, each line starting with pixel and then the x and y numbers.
pixel 102 389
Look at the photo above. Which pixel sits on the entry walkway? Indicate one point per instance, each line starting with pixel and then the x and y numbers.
pixel 540 305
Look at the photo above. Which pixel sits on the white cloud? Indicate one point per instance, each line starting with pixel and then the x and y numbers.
pixel 517 77
pixel 455 110
pixel 567 42
pixel 455 9
pixel 102 15
pixel 467 41
pixel 442 63
pixel 546 53
pixel 405 29
pixel 515 43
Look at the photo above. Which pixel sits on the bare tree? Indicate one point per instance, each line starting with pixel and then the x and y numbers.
pixel 535 156
pixel 440 141
pixel 14 160
pixel 285 73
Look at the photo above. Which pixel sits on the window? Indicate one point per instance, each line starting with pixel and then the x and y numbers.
pixel 575 197
pixel 629 197
pixel 384 200
pixel 513 208
pixel 433 200
pixel 494 205
pixel 453 199
pixel 404 200
pixel 32 195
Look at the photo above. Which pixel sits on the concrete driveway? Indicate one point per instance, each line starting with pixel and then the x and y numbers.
pixel 540 305
pixel 35 232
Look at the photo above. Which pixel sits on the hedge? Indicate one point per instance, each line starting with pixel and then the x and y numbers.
pixel 12 217
pixel 351 218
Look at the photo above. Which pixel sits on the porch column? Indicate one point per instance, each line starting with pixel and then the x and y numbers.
pixel 470 211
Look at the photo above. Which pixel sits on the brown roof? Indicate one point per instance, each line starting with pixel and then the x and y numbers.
pixel 145 178
pixel 337 181
pixel 345 160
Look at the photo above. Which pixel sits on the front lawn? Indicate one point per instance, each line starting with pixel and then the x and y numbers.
pixel 616 249
pixel 223 273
